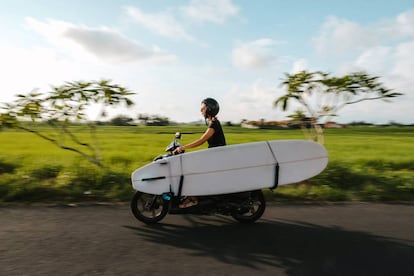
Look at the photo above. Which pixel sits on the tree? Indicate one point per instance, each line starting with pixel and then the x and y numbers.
pixel 153 120
pixel 322 95
pixel 122 120
pixel 298 118
pixel 62 106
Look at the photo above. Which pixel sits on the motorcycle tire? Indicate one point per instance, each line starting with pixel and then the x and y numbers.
pixel 252 209
pixel 148 208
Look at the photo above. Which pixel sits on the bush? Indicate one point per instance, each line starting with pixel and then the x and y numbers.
pixel 370 181
pixel 6 167
pixel 51 171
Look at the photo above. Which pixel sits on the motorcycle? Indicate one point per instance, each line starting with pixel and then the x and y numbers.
pixel 244 207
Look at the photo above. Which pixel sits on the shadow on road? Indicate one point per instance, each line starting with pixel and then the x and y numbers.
pixel 299 248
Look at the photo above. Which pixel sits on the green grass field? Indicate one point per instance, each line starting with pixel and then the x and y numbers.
pixel 365 163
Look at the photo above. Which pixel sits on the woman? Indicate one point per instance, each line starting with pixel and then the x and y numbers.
pixel 213 135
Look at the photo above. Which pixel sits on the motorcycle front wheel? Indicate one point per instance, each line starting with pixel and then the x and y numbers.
pixel 148 208
pixel 251 209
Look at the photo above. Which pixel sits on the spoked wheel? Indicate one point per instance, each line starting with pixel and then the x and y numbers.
pixel 251 209
pixel 148 208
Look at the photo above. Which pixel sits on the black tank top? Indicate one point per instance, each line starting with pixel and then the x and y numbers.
pixel 218 138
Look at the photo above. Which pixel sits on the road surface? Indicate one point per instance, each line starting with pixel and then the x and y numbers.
pixel 290 239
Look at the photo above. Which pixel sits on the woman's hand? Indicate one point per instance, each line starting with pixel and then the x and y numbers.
pixel 179 150
pixel 207 135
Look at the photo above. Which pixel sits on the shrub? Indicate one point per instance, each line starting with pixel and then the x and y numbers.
pixel 6 167
pixel 47 172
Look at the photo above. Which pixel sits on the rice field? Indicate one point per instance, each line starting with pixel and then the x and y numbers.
pixel 365 163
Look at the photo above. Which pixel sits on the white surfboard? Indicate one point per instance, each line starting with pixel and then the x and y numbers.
pixel 234 168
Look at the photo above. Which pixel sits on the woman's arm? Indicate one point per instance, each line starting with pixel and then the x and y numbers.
pixel 207 135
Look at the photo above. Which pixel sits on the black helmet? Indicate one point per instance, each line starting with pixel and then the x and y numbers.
pixel 212 107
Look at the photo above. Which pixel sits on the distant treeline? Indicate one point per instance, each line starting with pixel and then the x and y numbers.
pixel 157 120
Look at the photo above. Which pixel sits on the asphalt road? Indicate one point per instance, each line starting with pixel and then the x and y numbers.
pixel 290 239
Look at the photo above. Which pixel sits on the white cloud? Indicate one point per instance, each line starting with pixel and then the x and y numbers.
pixel 299 65
pixel 163 23
pixel 216 11
pixel 73 53
pixel 37 68
pixel 405 24
pixel 404 59
pixel 384 48
pixel 255 54
pixel 251 102
pixel 401 74
pixel 105 44
pixel 375 60
pixel 340 36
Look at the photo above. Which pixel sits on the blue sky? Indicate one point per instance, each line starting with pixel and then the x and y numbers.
pixel 175 53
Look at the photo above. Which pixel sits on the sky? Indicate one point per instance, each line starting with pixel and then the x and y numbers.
pixel 173 54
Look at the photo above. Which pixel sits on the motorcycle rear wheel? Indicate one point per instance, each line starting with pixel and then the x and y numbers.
pixel 252 209
pixel 148 208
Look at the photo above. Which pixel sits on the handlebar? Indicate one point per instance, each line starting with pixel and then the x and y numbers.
pixel 171 147
pixel 174 144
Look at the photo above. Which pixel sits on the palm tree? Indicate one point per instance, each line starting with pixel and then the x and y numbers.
pixel 323 96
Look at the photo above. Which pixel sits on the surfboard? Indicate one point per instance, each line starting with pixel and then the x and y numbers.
pixel 233 168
